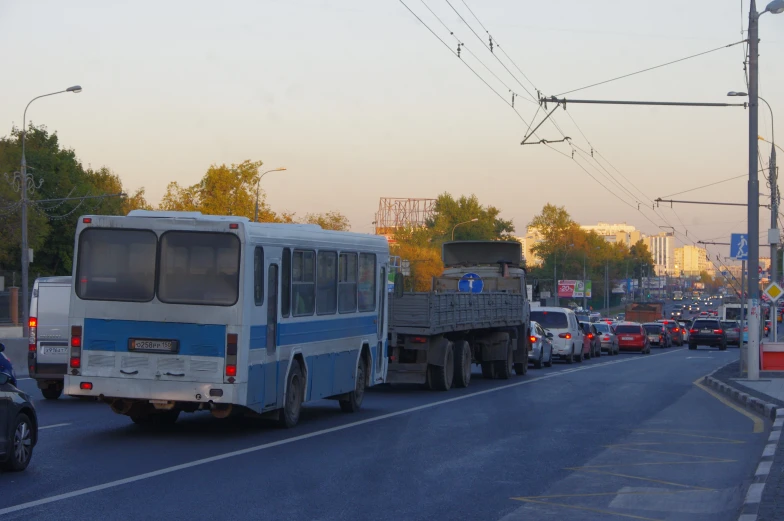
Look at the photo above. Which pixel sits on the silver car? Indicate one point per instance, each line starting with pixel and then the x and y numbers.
pixel 607 337
pixel 542 346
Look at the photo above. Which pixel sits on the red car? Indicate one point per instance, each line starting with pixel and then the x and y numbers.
pixel 632 337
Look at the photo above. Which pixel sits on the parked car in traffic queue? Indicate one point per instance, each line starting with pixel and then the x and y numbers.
pixel 657 334
pixel 567 333
pixel 607 338
pixel 674 330
pixel 632 337
pixel 592 346
pixel 707 332
pixel 732 330
pixel 541 353
pixel 18 424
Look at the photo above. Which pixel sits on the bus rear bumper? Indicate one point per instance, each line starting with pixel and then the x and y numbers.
pixel 121 388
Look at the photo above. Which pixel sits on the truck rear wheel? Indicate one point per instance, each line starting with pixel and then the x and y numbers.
pixel 462 364
pixel 442 376
pixel 503 368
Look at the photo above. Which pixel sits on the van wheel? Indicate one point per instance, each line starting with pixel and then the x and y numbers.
pixel 462 364
pixel 570 358
pixel 288 416
pixel 52 392
pixel 21 444
pixel 354 400
pixel 442 376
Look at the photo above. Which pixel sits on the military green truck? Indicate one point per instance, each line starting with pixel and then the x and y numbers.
pixel 477 312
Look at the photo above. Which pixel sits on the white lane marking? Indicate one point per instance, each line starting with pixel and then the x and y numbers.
pixel 249 450
pixel 754 495
pixel 774 436
pixel 769 450
pixel 53 426
pixel 779 423
pixel 25 378
pixel 763 468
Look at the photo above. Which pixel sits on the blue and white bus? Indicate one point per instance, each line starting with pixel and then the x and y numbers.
pixel 179 311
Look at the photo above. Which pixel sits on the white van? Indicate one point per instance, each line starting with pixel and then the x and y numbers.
pixel 567 333
pixel 48 343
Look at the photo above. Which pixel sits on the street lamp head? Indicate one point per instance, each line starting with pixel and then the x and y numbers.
pixel 775 7
pixel 281 169
pixel 474 220
pixel 732 93
pixel 75 89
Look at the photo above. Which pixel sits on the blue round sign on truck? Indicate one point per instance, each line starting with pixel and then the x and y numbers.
pixel 470 283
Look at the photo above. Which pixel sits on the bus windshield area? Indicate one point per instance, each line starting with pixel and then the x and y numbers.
pixel 181 268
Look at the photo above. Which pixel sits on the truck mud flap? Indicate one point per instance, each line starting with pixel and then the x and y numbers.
pixel 407 373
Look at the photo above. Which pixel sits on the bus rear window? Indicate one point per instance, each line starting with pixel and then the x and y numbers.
pixel 116 264
pixel 199 268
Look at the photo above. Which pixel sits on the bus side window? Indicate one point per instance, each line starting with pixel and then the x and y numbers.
pixel 303 282
pixel 285 284
pixel 258 276
pixel 367 282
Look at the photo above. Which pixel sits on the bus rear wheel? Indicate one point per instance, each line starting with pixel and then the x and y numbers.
pixel 353 400
pixel 288 416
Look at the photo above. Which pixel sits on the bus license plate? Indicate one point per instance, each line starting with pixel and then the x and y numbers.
pixel 153 346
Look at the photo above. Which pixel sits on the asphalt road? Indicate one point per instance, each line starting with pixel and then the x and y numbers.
pixel 624 436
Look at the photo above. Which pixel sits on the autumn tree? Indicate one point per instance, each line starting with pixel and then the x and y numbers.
pixel 332 220
pixel 424 261
pixel 449 212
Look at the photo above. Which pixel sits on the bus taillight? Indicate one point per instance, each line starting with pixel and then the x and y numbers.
pixel 231 356
pixel 76 347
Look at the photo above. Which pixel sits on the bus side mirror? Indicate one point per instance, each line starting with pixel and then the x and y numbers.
pixel 398 291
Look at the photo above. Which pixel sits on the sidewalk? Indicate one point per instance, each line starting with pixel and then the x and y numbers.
pixel 765 498
pixel 10 332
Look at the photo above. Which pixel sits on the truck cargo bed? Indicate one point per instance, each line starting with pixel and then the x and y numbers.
pixel 437 313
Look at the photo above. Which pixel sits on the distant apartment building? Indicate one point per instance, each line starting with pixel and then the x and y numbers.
pixel 531 239
pixel 662 248
pixel 615 233
pixel 690 261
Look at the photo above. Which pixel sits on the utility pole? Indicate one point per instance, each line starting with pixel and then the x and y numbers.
pixel 585 285
pixel 555 277
pixel 753 194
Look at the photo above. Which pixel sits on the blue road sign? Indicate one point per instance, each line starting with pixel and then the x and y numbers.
pixel 470 283
pixel 739 246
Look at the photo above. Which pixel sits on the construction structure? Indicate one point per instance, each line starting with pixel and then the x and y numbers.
pixel 402 212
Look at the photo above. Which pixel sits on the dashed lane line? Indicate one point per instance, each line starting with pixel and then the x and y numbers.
pixel 301 437
pixel 53 426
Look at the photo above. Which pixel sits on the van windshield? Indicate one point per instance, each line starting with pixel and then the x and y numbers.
pixel 550 319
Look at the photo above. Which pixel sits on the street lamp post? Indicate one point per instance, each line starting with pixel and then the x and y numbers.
pixel 258 183
pixel 458 224
pixel 27 184
pixel 775 7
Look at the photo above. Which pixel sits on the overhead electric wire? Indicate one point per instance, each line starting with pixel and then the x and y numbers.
pixel 705 186
pixel 464 46
pixel 650 68
pixel 499 45
pixel 535 98
pixel 464 62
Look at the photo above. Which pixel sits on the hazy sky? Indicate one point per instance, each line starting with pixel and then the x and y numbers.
pixel 358 100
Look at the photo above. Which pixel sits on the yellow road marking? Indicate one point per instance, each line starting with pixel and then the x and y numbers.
pixel 588 509
pixel 662 482
pixel 594 494
pixel 681 433
pixel 709 458
pixel 759 425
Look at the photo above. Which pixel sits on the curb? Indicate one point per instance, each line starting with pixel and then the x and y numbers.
pixel 751 503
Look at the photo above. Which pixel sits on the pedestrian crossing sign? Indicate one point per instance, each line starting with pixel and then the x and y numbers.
pixel 774 291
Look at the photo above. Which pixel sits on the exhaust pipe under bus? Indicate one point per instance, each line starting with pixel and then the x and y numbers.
pixel 220 410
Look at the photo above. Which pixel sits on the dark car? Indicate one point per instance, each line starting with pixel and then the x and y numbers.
pixel 707 332
pixel 674 331
pixel 6 366
pixel 18 424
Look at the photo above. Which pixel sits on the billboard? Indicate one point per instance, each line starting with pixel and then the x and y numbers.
pixel 574 288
